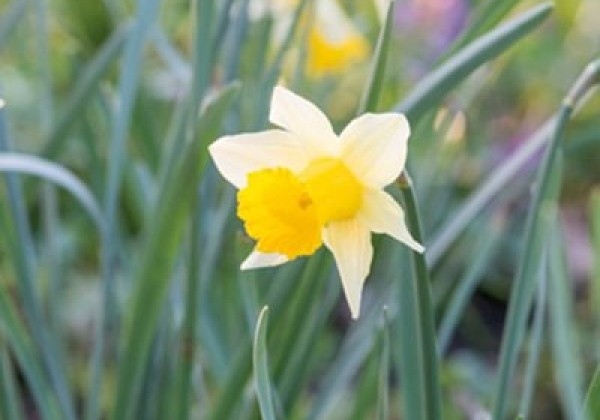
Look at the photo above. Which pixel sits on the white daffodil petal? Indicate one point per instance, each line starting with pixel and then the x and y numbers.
pixel 305 120
pixel 382 214
pixel 350 243
pixel 258 259
pixel 236 156
pixel 374 147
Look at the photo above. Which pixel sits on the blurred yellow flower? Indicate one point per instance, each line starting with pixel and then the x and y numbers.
pixel 326 57
pixel 334 42
pixel 302 185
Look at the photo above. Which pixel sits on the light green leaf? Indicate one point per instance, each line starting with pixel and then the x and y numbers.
pixel 262 383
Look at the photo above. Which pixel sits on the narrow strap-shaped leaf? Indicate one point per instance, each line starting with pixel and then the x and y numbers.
pixel 485 17
pixel 82 90
pixel 565 347
pixel 152 275
pixel 146 14
pixel 383 394
pixel 592 398
pixel 372 90
pixel 535 346
pixel 51 172
pixel 524 283
pixel 25 263
pixel 439 82
pixel 262 383
pixel 491 187
pixel 295 374
pixel 486 192
pixel 484 250
pixel 10 400
pixel 242 364
pixel 422 395
pixel 354 350
pixel 14 332
pixel 10 19
pixel 595 283
pixel 546 189
pixel 419 353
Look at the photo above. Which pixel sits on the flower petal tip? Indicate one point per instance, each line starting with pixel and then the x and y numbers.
pixel 258 259
pixel 417 247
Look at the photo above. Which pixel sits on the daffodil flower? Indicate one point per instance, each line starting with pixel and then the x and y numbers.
pixel 301 185
pixel 334 42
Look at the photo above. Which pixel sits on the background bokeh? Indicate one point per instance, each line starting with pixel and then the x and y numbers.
pixel 46 48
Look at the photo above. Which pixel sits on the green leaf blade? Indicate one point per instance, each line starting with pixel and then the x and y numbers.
pixel 262 383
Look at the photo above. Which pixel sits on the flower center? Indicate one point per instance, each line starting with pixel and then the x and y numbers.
pixel 279 214
pixel 334 189
pixel 285 213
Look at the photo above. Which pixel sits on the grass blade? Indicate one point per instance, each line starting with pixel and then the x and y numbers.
pixel 146 14
pixel 491 188
pixel 595 283
pixel 372 90
pixel 485 17
pixel 10 19
pixel 151 278
pixel 546 190
pixel 535 348
pixel 240 371
pixel 438 83
pixel 486 192
pixel 185 367
pixel 565 347
pixel 82 91
pixel 13 330
pixel 296 374
pixel 10 401
pixel 485 249
pixel 548 184
pixel 419 353
pixel 383 394
pixel 24 260
pixel 592 398
pixel 262 383
pixel 50 171
pixel 353 351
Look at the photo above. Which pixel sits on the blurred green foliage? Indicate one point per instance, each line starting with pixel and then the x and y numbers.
pixel 146 314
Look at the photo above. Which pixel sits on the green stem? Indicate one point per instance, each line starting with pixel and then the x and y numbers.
pixel 419 288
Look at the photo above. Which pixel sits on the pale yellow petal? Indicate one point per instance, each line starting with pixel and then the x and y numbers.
pixel 350 243
pixel 305 120
pixel 236 156
pixel 374 147
pixel 258 259
pixel 382 214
